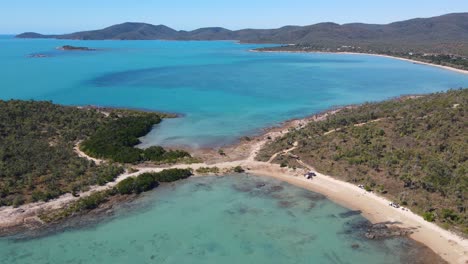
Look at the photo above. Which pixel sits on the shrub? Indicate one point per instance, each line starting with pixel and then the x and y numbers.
pixel 18 200
pixel 109 174
pixel 171 175
pixel 154 153
pixel 90 202
pixel 205 170
pixel 144 182
pixel 126 186
pixel 238 169
pixel 174 155
pixel 148 181
pixel 449 214
pixel 428 216
pixel 115 140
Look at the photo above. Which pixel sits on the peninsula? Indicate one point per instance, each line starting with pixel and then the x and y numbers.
pixel 428 178
pixel 74 48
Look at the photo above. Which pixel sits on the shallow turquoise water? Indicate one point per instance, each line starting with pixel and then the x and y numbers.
pixel 223 90
pixel 232 219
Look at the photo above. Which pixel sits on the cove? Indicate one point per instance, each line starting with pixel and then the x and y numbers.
pixel 230 219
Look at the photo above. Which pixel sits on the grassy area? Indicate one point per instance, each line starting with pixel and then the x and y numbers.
pixel 413 151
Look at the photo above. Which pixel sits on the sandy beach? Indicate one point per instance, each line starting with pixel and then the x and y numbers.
pixel 372 54
pixel 448 245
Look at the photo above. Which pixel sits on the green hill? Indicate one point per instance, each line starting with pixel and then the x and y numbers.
pixel 447 34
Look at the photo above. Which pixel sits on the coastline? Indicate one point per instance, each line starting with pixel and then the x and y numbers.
pixel 376 209
pixel 370 54
pixel 451 247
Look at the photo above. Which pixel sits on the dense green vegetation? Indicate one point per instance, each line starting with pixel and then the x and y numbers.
pixel 159 154
pixel 142 183
pixel 414 151
pixel 37 160
pixel 148 181
pixel 133 185
pixel 116 141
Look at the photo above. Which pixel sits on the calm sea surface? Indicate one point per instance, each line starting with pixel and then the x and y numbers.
pixel 223 90
pixel 231 219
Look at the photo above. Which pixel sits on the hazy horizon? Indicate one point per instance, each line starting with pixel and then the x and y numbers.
pixel 58 17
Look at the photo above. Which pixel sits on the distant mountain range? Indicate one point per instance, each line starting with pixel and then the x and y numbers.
pixel 447 33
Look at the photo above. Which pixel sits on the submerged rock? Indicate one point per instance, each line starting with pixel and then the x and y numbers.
pixel 350 213
pixel 383 231
pixel 276 188
pixel 286 204
pixel 259 185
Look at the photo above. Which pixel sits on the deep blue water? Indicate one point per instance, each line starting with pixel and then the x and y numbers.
pixel 223 90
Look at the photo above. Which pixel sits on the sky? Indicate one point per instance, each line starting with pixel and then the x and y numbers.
pixel 61 16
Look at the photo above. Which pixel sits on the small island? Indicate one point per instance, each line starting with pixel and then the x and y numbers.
pixel 75 48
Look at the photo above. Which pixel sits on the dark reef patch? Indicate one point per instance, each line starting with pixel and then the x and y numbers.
pixel 313 196
pixel 350 213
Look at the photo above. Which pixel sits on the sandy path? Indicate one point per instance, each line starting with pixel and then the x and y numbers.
pixel 356 125
pixel 83 155
pixel 283 152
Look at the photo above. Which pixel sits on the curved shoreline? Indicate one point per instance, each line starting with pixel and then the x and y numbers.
pixel 448 245
pixel 368 54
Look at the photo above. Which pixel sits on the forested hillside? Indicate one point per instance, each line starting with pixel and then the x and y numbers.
pixel 447 34
pixel 413 151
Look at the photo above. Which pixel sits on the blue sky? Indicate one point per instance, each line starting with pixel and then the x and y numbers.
pixel 61 16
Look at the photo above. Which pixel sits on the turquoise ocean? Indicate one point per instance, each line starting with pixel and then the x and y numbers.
pixel 223 92
pixel 230 219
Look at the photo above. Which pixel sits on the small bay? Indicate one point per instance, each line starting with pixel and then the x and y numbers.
pixel 230 219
